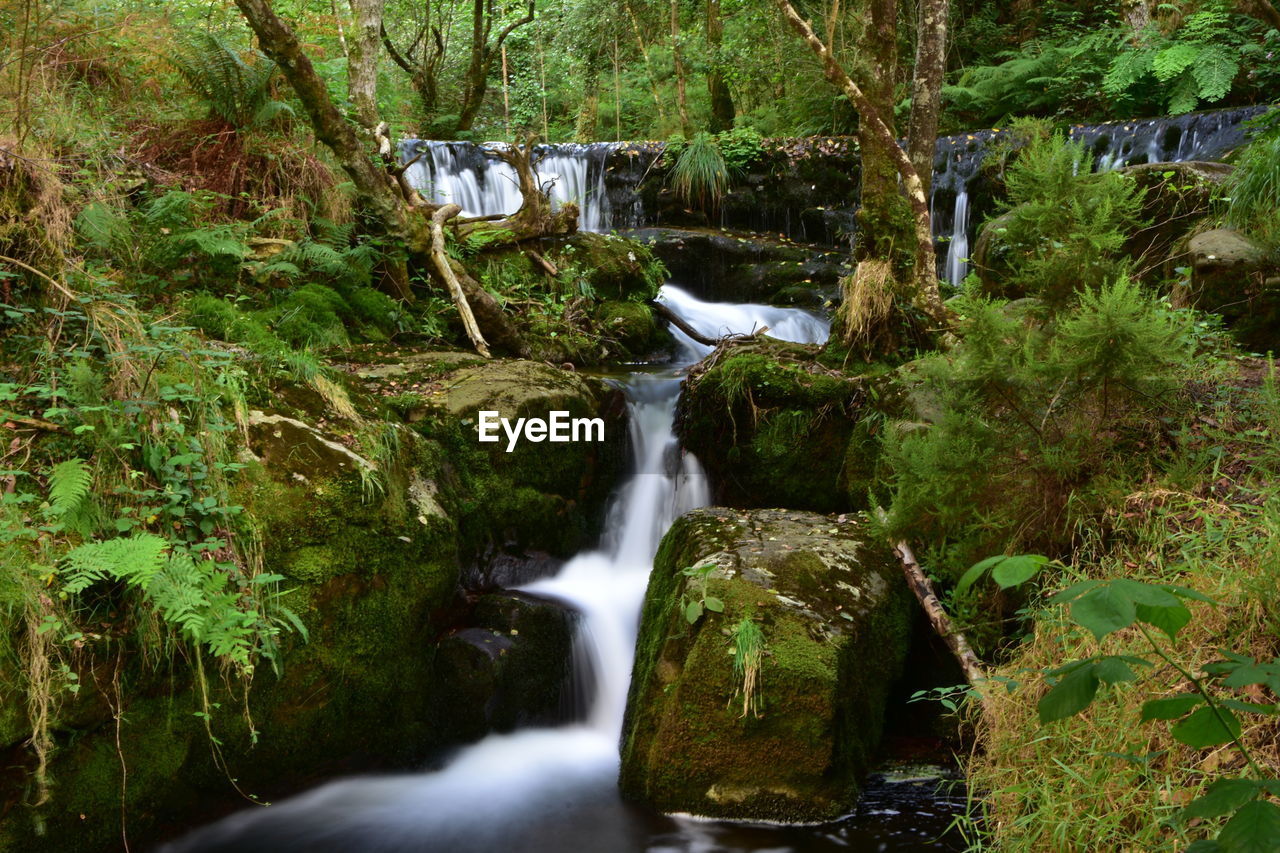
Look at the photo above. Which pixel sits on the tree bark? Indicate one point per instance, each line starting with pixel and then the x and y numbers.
pixel 422 70
pixel 682 101
pixel 362 62
pixel 648 64
pixel 926 87
pixel 722 110
pixel 884 223
pixel 441 260
pixel 938 618
pixel 926 274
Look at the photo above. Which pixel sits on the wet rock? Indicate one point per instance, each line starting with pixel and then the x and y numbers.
pixel 1178 195
pixel 741 267
pixel 508 666
pixel 835 618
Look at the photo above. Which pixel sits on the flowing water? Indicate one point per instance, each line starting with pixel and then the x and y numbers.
pixel 544 790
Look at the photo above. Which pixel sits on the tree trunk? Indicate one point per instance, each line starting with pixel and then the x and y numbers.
pixel 1263 10
pixel 480 64
pixel 445 269
pixel 1137 14
pixel 884 222
pixel 362 62
pixel 926 87
pixel 682 101
pixel 722 110
pixel 926 275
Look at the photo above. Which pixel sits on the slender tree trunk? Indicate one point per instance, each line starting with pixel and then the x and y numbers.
pixel 1137 14
pixel 722 110
pixel 926 274
pixel 682 101
pixel 617 95
pixel 506 94
pixel 648 64
pixel 926 87
pixel 362 61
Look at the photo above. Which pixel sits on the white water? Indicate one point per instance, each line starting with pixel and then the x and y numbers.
pixel 493 795
pixel 486 186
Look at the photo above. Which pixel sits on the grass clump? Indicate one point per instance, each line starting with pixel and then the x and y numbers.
pixel 700 175
pixel 1253 191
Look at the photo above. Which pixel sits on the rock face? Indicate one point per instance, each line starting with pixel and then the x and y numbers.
pixel 773 427
pixel 835 617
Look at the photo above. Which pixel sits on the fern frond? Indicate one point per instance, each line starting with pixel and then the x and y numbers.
pixel 136 560
pixel 69 483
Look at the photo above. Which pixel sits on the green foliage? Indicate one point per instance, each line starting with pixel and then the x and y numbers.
pixel 693 606
pixel 1026 418
pixel 236 90
pixel 741 148
pixel 700 176
pixel 1065 225
pixel 1205 716
pixel 1253 191
pixel 1196 62
pixel 1006 571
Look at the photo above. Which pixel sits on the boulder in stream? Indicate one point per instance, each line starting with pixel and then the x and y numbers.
pixel 836 622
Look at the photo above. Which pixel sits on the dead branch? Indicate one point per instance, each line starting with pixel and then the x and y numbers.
pixel 441 260
pixel 679 322
pixel 938 618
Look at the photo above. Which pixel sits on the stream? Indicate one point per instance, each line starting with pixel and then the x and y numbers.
pixel 555 789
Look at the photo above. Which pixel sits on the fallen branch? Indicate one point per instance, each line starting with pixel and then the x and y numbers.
pixel 938 618
pixel 546 265
pixel 679 322
pixel 441 260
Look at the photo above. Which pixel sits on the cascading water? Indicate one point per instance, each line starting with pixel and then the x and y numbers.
pixel 543 790
pixel 482 185
pixel 1113 145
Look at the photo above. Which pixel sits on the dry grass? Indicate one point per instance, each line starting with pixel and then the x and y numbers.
pixel 868 303
pixel 1103 780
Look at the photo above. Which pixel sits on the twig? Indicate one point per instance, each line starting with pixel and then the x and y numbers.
pixel 680 323
pixel 546 265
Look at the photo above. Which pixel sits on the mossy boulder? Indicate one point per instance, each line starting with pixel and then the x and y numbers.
pixel 1176 196
pixel 540 496
pixel 835 617
pixel 636 333
pixel 1235 277
pixel 774 427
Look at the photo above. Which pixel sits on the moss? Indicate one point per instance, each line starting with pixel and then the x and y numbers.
pixel 773 428
pixel 825 680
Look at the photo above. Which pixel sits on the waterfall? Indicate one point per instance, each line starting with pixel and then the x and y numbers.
pixel 482 185
pixel 553 789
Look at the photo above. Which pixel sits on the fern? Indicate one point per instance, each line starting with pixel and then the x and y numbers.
pixel 69 484
pixel 135 560
pixel 236 91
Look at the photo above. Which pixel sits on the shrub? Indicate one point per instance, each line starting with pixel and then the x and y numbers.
pixel 1065 226
pixel 1253 191
pixel 700 175
pixel 1028 421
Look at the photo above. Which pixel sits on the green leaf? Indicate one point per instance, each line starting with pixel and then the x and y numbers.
pixel 1104 610
pixel 1254 829
pixel 1205 728
pixel 1222 797
pixel 1016 571
pixel 715 605
pixel 1173 60
pixel 970 577
pixel 1112 670
pixel 1073 592
pixel 1170 620
pixel 1214 70
pixel 1069 696
pixel 1171 708
pixel 693 611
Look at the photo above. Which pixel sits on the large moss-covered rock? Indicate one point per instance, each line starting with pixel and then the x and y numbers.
pixel 774 427
pixel 835 617
pixel 1235 277
pixel 1176 196
pixel 540 496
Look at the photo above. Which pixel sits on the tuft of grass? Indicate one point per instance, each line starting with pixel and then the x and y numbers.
pixel 700 176
pixel 747 647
